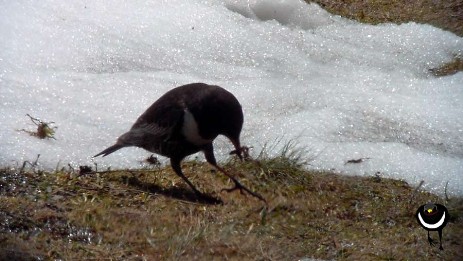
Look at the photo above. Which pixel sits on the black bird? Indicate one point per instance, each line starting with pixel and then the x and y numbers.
pixel 186 120
pixel 433 217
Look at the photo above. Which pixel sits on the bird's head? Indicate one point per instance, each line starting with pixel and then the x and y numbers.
pixel 430 209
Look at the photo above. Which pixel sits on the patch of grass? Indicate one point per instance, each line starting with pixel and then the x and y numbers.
pixel 456 65
pixel 151 214
pixel 443 14
pixel 286 167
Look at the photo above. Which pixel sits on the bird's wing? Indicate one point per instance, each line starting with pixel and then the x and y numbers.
pixel 160 121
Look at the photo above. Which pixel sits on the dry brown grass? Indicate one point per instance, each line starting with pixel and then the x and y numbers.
pixel 447 14
pixel 152 215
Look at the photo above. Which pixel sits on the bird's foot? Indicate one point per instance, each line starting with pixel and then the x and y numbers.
pixel 242 189
pixel 242 152
pixel 431 241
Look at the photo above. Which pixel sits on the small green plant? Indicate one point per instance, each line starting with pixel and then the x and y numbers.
pixel 287 165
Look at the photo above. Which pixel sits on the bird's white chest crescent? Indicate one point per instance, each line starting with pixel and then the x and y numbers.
pixel 432 226
pixel 190 130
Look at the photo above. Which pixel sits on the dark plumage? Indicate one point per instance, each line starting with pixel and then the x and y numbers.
pixel 186 120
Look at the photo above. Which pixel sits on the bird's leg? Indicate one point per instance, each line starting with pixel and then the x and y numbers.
pixel 440 239
pixel 241 151
pixel 431 241
pixel 237 152
pixel 175 163
pixel 209 153
pixel 245 153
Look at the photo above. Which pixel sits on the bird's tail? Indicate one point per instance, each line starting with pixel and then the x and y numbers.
pixel 110 150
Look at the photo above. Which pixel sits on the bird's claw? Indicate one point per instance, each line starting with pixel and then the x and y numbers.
pixel 242 152
pixel 242 189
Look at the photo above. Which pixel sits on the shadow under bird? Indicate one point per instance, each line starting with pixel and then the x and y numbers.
pixel 184 121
